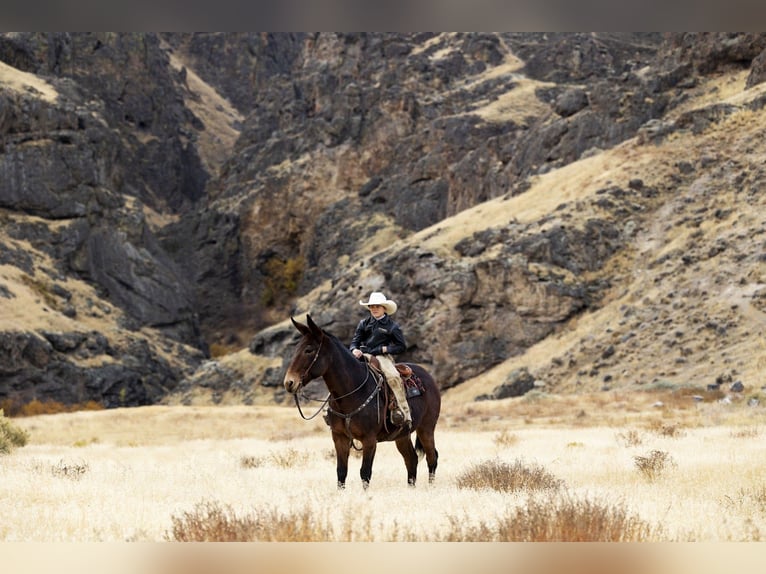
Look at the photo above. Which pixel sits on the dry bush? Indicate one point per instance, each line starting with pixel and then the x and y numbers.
pixel 505 439
pixel 630 438
pixel 498 475
pixel 11 436
pixel 670 430
pixel 749 432
pixel 654 464
pixel 213 522
pixel 71 470
pixel 564 519
pixel 749 499
pixel 249 461
pixel 286 458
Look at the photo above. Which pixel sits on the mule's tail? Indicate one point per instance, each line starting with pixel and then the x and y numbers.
pixel 419 450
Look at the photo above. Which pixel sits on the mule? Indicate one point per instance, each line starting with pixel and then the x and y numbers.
pixel 358 403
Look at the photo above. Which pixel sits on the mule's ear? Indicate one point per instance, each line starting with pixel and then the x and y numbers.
pixel 316 330
pixel 302 328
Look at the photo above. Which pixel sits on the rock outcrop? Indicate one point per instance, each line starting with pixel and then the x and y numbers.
pixel 177 193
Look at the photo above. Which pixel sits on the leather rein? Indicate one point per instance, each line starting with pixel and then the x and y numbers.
pixel 346 416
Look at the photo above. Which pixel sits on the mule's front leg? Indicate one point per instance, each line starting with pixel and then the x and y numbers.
pixel 369 445
pixel 342 448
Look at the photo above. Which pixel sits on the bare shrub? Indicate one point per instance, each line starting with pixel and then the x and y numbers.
pixel 630 438
pixel 11 436
pixel 748 499
pixel 214 522
pixel 564 519
pixel 288 457
pixel 654 464
pixel 248 461
pixel 748 432
pixel 670 430
pixel 285 458
pixel 71 470
pixel 498 475
pixel 505 439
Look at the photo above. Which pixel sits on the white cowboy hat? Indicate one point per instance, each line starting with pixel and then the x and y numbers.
pixel 377 298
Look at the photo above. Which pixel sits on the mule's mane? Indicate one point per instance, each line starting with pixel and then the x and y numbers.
pixel 337 341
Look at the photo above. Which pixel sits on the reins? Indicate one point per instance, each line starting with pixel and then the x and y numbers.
pixel 346 416
pixel 329 396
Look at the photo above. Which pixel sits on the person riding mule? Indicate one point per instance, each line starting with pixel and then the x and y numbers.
pixel 380 336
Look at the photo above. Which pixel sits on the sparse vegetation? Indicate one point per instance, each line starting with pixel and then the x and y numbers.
pixel 11 436
pixel 35 407
pixel 41 289
pixel 630 437
pixel 284 458
pixel 653 465
pixel 669 430
pixel 71 470
pixel 561 519
pixel 499 475
pixel 215 522
pixel 506 439
pixel 751 499
pixel 282 485
pixel 282 277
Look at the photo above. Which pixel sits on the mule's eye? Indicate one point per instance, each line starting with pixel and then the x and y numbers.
pixel 309 350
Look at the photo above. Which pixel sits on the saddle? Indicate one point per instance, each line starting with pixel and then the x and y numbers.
pixel 412 384
pixel 404 370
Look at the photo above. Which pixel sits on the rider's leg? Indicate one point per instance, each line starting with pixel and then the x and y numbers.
pixel 388 367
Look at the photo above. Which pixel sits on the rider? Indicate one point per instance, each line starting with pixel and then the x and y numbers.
pixel 379 335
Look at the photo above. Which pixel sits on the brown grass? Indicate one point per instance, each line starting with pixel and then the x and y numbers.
pixel 35 407
pixel 504 477
pixel 213 522
pixel 561 519
pixel 653 465
pixel 630 437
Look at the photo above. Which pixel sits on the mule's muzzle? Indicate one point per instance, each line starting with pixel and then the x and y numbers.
pixel 292 383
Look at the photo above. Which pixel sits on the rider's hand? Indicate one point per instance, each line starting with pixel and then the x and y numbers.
pixel 357 353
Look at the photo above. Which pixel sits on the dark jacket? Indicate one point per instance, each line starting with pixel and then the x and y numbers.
pixel 373 334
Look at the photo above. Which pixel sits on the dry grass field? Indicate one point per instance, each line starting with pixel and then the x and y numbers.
pixel 535 468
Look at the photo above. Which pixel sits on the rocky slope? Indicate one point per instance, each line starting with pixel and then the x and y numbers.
pixel 577 211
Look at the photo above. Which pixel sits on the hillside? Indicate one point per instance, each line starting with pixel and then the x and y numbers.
pixel 578 209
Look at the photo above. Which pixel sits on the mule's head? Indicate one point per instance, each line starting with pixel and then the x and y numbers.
pixel 307 363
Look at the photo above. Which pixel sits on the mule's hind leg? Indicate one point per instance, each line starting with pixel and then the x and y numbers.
pixel 342 448
pixel 404 445
pixel 425 443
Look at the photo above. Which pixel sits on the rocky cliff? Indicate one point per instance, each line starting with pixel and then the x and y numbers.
pixel 578 206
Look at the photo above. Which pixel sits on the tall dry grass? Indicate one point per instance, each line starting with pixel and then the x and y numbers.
pixel 252 473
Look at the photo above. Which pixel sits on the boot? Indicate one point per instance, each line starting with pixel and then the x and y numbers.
pixel 400 419
pixel 397 416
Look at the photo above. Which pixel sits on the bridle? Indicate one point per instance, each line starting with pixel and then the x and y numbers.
pixel 325 402
pixel 311 366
